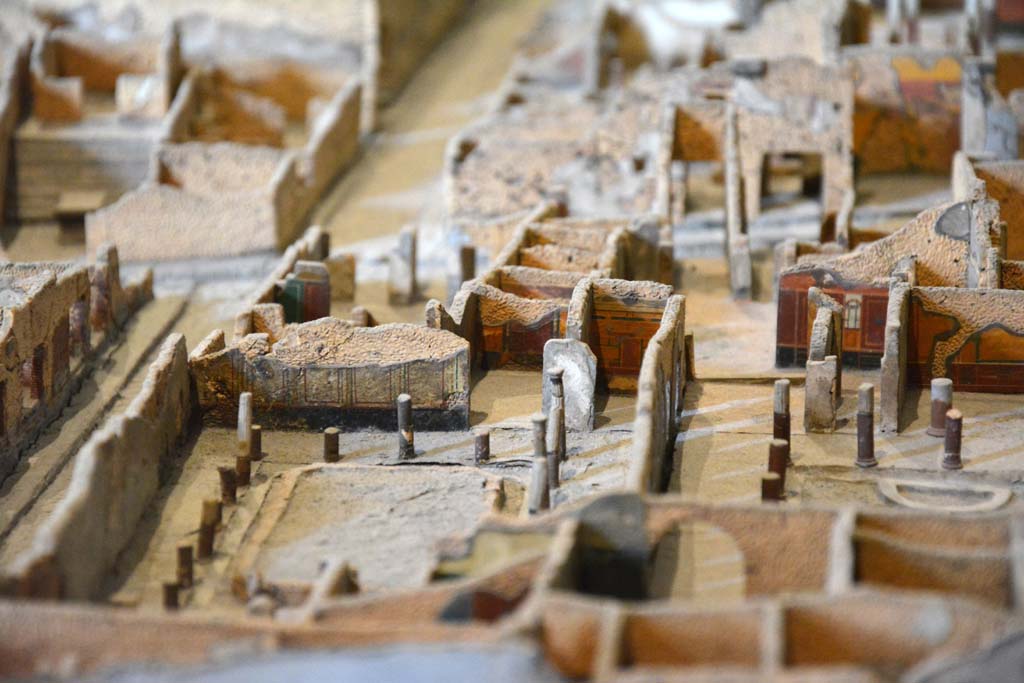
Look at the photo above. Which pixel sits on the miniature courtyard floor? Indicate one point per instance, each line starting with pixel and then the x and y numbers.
pixel 726 426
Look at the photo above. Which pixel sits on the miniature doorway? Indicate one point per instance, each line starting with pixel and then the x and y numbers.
pixel 789 178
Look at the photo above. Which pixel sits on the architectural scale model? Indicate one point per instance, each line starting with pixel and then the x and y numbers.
pixel 512 340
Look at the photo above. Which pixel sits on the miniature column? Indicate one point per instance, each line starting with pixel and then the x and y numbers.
pixel 228 485
pixel 777 453
pixel 244 416
pixel 556 415
pixel 331 451
pixel 539 495
pixel 771 487
pixel 866 426
pixel 951 459
pixel 243 467
pixel 482 445
pixel 406 450
pixel 942 401
pixel 208 528
pixel 255 443
pixel 170 595
pixel 781 424
pixel 185 575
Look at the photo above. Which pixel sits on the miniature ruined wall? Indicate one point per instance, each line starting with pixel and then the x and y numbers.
pixel 893 386
pixel 593 157
pixel 907 108
pixel 832 638
pixel 624 316
pixel 796 106
pixel 330 373
pixel 660 387
pixel 216 200
pixel 553 247
pixel 122 86
pixel 939 238
pixel 333 140
pixel 13 60
pixel 811 28
pixel 520 309
pixel 53 98
pixel 44 324
pixel 514 329
pixel 836 583
pixel 405 34
pixel 115 475
pixel 964 555
pixel 223 112
pixel 1004 181
pixel 973 336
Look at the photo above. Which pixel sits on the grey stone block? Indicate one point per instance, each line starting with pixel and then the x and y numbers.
pixel 579 379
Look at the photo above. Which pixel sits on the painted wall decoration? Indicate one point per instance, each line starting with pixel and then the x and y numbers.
pixel 863 322
pixel 906 109
pixel 973 336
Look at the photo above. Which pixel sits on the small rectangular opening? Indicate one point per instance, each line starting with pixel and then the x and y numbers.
pixel 789 178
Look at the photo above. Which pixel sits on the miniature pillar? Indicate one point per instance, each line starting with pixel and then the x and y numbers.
pixel 777 451
pixel 465 270
pixel 228 484
pixel 954 438
pixel 866 426
pixel 255 443
pixel 170 595
pixel 467 262
pixel 539 495
pixel 482 446
pixel 243 468
pixel 331 451
pixel 781 425
pixel 406 450
pixel 556 415
pixel 208 528
pixel 244 416
pixel 185 565
pixel 942 401
pixel 402 288
pixel 771 487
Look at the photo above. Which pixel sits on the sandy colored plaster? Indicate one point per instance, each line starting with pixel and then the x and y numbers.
pixel 329 341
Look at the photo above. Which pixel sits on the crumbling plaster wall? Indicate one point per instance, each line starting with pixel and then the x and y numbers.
pixel 328 372
pixel 906 108
pixel 596 158
pixel 796 106
pixel 937 237
pixel 115 475
pixel 39 303
pixel 973 336
pixel 232 198
pixel 406 33
pixel 660 388
pixel 13 71
pixel 1004 182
